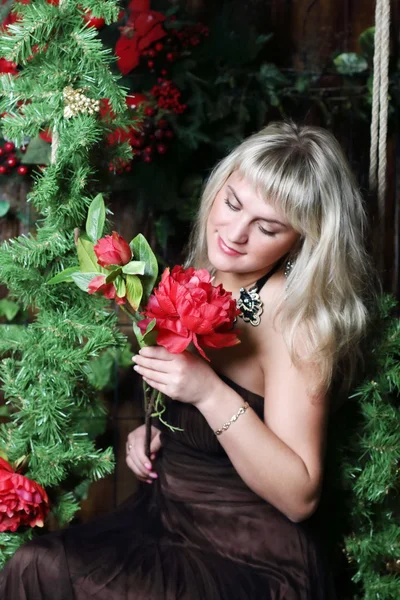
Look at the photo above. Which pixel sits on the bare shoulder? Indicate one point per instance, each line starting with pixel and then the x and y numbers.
pixel 292 410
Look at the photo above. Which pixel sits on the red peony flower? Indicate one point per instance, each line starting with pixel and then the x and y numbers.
pixel 98 284
pixel 188 308
pixel 112 250
pixel 143 28
pixel 22 501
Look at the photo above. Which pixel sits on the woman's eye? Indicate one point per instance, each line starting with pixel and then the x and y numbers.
pixel 231 205
pixel 271 233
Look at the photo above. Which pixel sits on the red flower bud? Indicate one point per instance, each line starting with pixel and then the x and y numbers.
pixel 112 250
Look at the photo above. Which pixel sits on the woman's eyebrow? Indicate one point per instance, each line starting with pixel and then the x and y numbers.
pixel 261 218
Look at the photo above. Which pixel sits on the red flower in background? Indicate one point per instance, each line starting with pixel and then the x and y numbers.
pixel 188 308
pixel 22 501
pixel 143 28
pixel 112 250
pixel 98 284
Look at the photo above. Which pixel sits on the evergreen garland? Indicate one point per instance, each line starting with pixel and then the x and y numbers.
pixel 361 512
pixel 54 409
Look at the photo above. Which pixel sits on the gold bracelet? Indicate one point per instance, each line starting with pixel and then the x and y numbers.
pixel 226 425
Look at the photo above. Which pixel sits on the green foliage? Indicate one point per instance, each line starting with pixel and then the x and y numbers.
pixel 350 63
pixel 96 219
pixel 54 410
pixel 363 467
pixel 8 309
pixel 4 207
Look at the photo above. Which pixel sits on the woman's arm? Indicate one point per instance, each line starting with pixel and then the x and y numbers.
pixel 281 459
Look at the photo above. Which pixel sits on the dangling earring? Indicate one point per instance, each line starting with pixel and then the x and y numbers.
pixel 288 267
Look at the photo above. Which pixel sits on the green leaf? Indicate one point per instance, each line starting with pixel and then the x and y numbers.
pixel 82 280
pixel 135 267
pixel 64 276
pixel 271 77
pixel 4 207
pixel 142 252
pixel 38 152
pixel 8 309
pixel 350 63
pixel 367 43
pixel 302 83
pixel 134 291
pixel 263 38
pixel 96 218
pixel 120 287
pixel 149 337
pixel 87 257
pixel 112 276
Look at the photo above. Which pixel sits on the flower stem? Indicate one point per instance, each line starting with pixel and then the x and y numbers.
pixel 149 406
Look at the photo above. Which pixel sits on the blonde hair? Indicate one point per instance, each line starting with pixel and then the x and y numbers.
pixel 304 173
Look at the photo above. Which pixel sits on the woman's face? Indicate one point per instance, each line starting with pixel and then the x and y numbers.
pixel 245 234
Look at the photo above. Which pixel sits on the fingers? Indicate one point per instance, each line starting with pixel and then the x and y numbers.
pixel 136 458
pixel 154 364
pixel 160 377
pixel 155 443
pixel 157 353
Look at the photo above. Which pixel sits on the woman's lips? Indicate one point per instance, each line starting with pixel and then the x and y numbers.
pixel 226 248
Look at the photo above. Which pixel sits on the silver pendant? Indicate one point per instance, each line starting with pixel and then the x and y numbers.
pixel 250 305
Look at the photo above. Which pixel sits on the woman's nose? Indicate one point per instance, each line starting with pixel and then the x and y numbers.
pixel 238 233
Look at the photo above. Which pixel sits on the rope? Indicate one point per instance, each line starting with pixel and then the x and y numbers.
pixel 380 102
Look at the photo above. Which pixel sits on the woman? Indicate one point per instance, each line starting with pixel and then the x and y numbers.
pixel 227 515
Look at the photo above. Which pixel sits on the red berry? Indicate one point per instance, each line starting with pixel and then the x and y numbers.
pixel 136 143
pixel 22 149
pixel 159 47
pixel 22 170
pixel 170 56
pixel 111 168
pixel 9 146
pixel 96 22
pixel 148 150
pixel 149 111
pixel 147 158
pixel 161 148
pixel 169 134
pixel 119 171
pixel 152 53
pixel 150 64
pixel 11 162
pixel 162 124
pixel 2 152
pixel 164 72
pixel 159 134
pixel 3 170
pixel 128 169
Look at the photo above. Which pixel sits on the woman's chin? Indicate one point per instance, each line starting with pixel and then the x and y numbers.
pixel 221 262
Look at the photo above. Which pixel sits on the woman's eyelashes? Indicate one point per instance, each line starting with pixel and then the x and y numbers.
pixel 265 232
pixel 236 208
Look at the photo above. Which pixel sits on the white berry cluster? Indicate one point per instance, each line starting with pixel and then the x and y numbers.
pixel 76 102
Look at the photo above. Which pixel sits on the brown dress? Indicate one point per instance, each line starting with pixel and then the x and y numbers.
pixel 197 533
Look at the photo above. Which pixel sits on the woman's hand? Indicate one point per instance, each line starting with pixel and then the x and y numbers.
pixel 184 377
pixel 136 458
